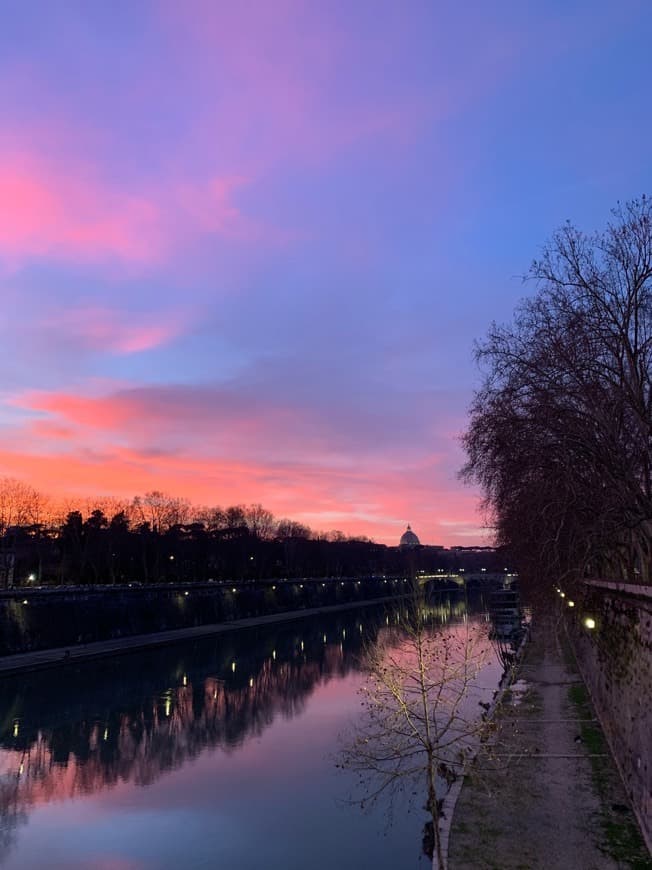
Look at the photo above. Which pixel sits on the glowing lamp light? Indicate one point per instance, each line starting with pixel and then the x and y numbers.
pixel 32 578
pixel 24 601
pixel 234 589
pixel 233 667
pixel 589 622
pixel 563 594
pixel 571 604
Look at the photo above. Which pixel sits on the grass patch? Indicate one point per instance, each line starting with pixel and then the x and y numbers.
pixel 625 844
pixel 622 839
pixel 579 696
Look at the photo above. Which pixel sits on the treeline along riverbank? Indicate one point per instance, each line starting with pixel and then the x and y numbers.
pixel 101 551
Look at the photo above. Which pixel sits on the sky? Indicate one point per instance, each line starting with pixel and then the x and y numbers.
pixel 246 248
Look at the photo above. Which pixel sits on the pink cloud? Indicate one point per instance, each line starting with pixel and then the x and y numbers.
pixel 103 444
pixel 295 82
pixel 306 492
pixel 48 211
pixel 120 332
pixel 66 210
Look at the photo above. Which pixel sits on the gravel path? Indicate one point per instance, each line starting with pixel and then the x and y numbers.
pixel 550 797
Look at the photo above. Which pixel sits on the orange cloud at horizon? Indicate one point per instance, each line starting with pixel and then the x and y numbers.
pixel 356 502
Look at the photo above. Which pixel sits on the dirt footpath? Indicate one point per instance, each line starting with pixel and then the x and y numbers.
pixel 548 796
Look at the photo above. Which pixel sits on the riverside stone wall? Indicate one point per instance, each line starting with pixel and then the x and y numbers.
pixel 44 619
pixel 616 661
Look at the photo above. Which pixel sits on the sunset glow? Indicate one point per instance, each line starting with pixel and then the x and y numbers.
pixel 245 248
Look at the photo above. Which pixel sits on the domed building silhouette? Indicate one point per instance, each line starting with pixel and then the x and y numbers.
pixel 409 540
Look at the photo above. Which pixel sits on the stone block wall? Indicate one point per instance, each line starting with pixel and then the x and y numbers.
pixel 616 661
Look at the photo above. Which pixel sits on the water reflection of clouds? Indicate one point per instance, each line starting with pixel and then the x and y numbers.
pixel 112 725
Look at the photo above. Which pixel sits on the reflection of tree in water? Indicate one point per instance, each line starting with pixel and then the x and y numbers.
pixel 77 732
pixel 130 719
pixel 12 812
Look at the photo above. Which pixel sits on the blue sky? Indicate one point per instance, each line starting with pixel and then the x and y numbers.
pixel 244 252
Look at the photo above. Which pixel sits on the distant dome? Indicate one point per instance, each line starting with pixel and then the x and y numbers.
pixel 409 539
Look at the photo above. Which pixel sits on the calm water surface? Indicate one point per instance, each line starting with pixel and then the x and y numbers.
pixel 216 753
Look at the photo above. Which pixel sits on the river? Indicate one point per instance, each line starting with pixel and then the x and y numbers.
pixel 218 753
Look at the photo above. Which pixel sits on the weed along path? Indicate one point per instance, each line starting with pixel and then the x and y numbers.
pixel 550 798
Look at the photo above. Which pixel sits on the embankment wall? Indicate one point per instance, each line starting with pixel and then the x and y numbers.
pixel 616 661
pixel 40 620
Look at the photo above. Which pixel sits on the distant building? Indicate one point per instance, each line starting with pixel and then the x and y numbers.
pixel 409 540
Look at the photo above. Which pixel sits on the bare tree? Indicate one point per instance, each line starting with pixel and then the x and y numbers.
pixel 160 510
pixel 20 505
pixel 286 528
pixel 213 518
pixel 260 522
pixel 560 431
pixel 420 722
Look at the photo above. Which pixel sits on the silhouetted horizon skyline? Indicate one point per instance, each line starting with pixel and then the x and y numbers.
pixel 244 252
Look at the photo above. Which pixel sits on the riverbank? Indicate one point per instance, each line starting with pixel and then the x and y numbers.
pixel 548 796
pixel 61 656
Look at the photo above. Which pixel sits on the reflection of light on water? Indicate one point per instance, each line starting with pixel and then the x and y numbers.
pixel 143 740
